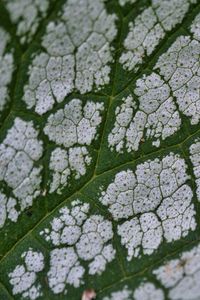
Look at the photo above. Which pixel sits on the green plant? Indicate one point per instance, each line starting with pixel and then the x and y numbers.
pixel 99 149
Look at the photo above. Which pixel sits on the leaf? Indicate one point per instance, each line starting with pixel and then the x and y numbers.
pixel 99 149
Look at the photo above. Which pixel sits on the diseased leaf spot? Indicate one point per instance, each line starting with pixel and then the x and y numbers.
pixel 74 125
pixel 6 69
pixel 24 277
pixel 195 159
pixel 173 88
pixel 156 117
pixel 83 238
pixel 178 66
pixel 26 14
pixel 181 276
pixel 19 152
pixel 159 186
pixel 149 28
pixel 146 291
pixel 78 55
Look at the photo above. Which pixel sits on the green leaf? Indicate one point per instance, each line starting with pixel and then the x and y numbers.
pixel 100 149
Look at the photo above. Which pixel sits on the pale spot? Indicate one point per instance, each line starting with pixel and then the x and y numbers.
pixel 149 28
pixel 158 185
pixel 80 237
pixel 19 152
pixel 24 277
pixel 6 69
pixel 181 276
pixel 78 55
pixel 26 15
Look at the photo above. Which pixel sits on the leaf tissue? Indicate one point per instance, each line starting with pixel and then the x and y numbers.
pixel 99 149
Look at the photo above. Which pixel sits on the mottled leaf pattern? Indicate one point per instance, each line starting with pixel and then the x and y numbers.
pixel 100 149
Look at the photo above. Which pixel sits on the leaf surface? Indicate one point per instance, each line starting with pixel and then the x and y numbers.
pixel 99 149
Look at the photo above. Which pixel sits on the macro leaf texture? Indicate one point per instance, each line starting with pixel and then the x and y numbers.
pixel 100 149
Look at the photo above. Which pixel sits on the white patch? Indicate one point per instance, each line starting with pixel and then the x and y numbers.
pixel 7 209
pixel 124 294
pixel 143 37
pixel 64 164
pixel 156 117
pixel 24 277
pixel 177 214
pixel 136 234
pixel 65 229
pixel 163 119
pixel 181 276
pixel 6 69
pixel 195 28
pixel 19 152
pixel 65 269
pixel 147 291
pixel 78 55
pixel 128 127
pixel 26 14
pixel 75 123
pixel 180 67
pixel 157 185
pixel 124 2
pixel 195 158
pixel 171 12
pixel 86 238
pixel 149 28
pixel 78 160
